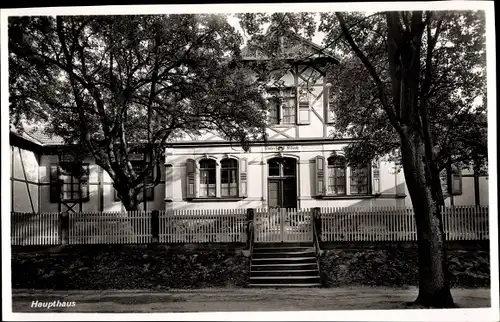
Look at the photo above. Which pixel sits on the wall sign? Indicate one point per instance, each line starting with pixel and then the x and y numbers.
pixel 282 148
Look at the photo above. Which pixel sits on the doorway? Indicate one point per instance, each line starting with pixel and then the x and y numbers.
pixel 282 183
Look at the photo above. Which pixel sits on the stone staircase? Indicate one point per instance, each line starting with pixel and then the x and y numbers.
pixel 284 265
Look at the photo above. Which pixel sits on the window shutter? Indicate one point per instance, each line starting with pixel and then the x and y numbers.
pixel 320 176
pixel 190 178
pixel 330 104
pixel 55 185
pixel 376 177
pixel 443 177
pixel 243 169
pixel 303 106
pixel 304 113
pixel 456 182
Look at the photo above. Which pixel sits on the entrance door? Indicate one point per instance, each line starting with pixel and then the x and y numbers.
pixel 282 183
pixel 282 193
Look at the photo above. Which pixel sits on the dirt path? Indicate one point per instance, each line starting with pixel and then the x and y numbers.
pixel 216 300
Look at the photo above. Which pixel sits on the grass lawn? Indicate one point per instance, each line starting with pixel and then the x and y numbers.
pixel 237 299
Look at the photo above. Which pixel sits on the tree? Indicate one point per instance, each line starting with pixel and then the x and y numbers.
pixel 112 86
pixel 412 86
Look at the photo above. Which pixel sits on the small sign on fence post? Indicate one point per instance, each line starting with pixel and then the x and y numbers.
pixel 64 228
pixel 155 226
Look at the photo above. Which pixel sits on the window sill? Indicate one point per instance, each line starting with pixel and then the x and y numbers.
pixel 332 197
pixel 215 199
pixel 282 125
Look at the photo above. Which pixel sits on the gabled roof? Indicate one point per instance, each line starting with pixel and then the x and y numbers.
pixel 315 51
pixel 36 135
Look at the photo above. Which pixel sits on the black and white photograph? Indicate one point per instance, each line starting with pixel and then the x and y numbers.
pixel 259 161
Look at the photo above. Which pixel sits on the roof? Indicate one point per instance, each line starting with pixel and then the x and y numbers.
pixel 317 51
pixel 37 135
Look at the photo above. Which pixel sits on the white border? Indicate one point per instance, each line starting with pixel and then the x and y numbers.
pixel 491 314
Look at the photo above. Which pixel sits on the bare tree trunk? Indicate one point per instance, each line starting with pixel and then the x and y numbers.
pixel 434 282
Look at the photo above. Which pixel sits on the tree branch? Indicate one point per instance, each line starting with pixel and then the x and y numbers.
pixel 373 74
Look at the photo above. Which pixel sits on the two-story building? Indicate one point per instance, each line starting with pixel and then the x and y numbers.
pixel 297 165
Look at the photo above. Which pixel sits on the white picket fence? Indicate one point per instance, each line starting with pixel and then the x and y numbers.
pixel 398 224
pixel 283 225
pixel 203 226
pixel 34 229
pixel 133 227
pixel 226 226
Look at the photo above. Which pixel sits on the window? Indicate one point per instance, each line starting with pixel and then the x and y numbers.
pixel 207 178
pixel 288 106
pixel 336 175
pixel 303 103
pixel 274 168
pixel 455 181
pixel 138 166
pixel 360 180
pixel 273 117
pixel 282 167
pixel 228 174
pixel 204 180
pixel 69 181
pixel 282 106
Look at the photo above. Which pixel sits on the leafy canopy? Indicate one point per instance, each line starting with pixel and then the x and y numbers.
pixel 113 83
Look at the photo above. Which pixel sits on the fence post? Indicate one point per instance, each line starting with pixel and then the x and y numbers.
pixel 317 221
pixel 155 226
pixel 63 228
pixel 250 216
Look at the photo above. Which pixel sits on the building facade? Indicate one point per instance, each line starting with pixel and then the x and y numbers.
pixel 297 165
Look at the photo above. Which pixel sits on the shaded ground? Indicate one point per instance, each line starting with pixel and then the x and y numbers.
pixel 237 299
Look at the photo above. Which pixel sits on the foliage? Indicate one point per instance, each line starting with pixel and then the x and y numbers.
pixel 455 94
pixel 399 267
pixel 113 84
pixel 127 267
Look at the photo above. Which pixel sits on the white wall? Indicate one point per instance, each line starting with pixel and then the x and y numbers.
pixel 257 178
pixel 24 181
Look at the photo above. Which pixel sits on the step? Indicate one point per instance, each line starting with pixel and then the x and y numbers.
pixel 284 285
pixel 301 254
pixel 285 266
pixel 284 279
pixel 279 273
pixel 284 260
pixel 283 249
pixel 258 245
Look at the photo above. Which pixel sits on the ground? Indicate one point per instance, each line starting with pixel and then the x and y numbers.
pixel 237 299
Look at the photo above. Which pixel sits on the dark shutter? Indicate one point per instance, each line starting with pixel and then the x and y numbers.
pixel 55 185
pixel 243 169
pixel 376 177
pixel 190 179
pixel 320 176
pixel 455 182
